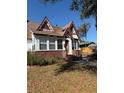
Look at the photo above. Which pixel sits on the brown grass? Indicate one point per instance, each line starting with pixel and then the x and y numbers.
pixel 45 80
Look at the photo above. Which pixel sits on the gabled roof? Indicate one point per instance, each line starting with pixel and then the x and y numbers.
pixel 29 34
pixel 47 33
pixel 88 43
pixel 69 28
pixel 45 22
pixel 57 31
pixel 32 26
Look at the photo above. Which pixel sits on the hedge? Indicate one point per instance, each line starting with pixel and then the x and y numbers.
pixel 35 60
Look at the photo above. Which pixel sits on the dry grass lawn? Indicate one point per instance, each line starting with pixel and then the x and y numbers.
pixel 47 79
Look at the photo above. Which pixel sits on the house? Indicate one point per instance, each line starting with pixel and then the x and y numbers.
pixel 47 40
pixel 88 48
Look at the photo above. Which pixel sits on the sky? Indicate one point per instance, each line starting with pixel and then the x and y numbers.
pixel 58 14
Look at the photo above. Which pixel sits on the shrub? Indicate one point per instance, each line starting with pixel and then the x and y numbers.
pixel 35 60
pixel 58 59
pixel 49 60
pixel 30 58
pixel 42 61
pixel 55 60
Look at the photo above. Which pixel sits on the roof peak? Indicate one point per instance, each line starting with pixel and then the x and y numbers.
pixel 45 17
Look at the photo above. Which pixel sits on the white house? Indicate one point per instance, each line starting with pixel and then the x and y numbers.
pixel 47 40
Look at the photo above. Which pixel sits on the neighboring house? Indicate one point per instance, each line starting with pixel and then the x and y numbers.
pixel 88 48
pixel 47 40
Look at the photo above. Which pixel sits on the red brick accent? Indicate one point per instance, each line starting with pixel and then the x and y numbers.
pixel 76 52
pixel 58 53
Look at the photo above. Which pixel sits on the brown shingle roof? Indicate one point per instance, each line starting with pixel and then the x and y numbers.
pixel 58 31
pixel 29 34
pixel 47 33
pixel 32 26
pixel 67 26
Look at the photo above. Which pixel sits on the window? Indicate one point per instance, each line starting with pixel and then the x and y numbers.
pixel 33 47
pixel 52 44
pixel 43 44
pixel 33 44
pixel 59 43
pixel 74 44
pixel 77 45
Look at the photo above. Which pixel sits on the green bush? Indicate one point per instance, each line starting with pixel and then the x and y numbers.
pixel 50 60
pixel 42 62
pixel 55 60
pixel 35 60
pixel 30 58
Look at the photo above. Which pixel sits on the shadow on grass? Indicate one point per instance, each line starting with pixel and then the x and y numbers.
pixel 71 66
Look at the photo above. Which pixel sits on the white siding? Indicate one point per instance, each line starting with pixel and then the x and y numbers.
pixel 75 36
pixel 37 44
pixel 69 46
pixel 36 41
pixel 29 45
pixel 47 43
pixel 29 42
pixel 56 46
pixel 63 43
pixel 73 31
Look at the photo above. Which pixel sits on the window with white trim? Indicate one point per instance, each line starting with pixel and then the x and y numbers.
pixel 43 44
pixel 75 44
pixel 52 44
pixel 33 47
pixel 33 44
pixel 59 42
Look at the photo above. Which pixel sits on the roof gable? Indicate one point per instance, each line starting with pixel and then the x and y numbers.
pixel 70 30
pixel 45 28
pixel 45 25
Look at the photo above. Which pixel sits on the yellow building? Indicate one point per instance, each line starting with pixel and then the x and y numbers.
pixel 87 48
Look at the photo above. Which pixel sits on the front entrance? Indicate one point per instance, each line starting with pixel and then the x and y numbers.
pixel 68 46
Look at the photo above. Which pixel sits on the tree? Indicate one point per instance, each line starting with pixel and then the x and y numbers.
pixel 49 1
pixel 83 29
pixel 86 8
